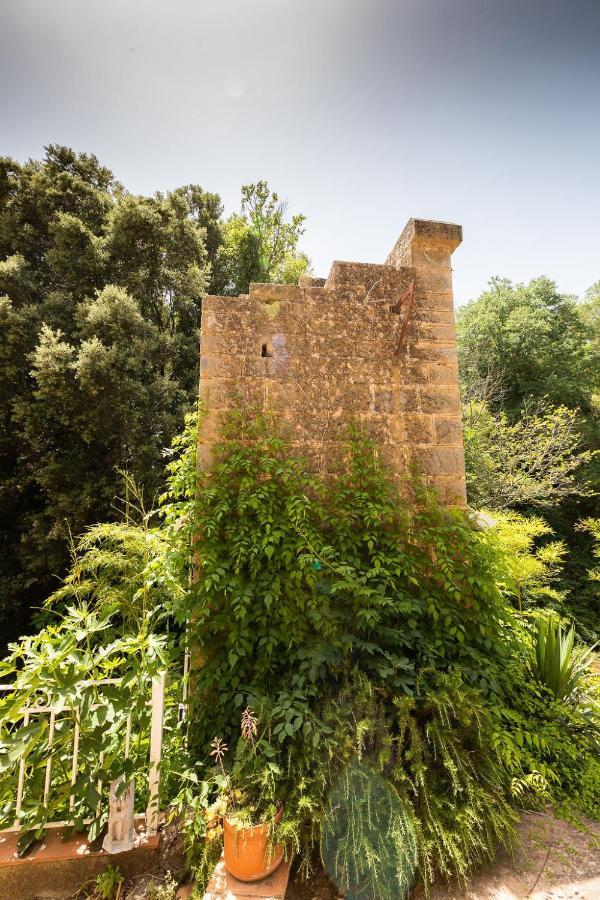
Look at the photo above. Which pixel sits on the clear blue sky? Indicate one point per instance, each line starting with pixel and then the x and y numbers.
pixel 361 113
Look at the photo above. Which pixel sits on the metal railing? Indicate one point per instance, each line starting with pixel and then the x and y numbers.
pixel 157 707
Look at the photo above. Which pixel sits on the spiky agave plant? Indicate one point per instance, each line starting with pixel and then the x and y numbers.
pixel 559 664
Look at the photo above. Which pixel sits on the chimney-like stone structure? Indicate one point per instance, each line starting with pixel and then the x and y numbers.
pixel 373 343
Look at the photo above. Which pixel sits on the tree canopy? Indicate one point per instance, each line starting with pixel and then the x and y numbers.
pixel 537 343
pixel 100 303
pixel 259 244
pixel 530 370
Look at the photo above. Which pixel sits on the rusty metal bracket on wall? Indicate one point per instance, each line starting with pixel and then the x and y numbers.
pixel 407 298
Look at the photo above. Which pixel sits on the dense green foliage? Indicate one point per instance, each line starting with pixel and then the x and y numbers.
pixel 365 631
pixel 534 460
pixel 592 526
pixel 258 244
pixel 530 369
pixel 360 643
pixel 298 572
pixel 109 620
pixel 100 301
pixel 530 361
pixel 111 628
pixel 530 561
pixel 373 855
pixel 65 662
pixel 433 751
pixel 550 747
pixel 532 341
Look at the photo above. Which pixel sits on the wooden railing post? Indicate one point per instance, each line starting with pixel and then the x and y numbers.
pixel 156 736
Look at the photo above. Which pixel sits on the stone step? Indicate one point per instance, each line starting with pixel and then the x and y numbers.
pixel 223 886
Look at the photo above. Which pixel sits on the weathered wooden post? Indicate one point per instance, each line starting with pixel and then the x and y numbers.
pixel 156 736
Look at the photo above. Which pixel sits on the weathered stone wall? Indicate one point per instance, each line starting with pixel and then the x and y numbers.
pixel 326 352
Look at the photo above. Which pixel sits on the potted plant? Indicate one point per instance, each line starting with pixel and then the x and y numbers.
pixel 253 809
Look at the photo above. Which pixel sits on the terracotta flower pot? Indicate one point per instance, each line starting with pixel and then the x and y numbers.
pixel 248 856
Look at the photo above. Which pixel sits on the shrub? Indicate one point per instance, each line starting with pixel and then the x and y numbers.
pixel 550 748
pixel 304 580
pixel 529 564
pixel 377 643
pixel 559 664
pixel 301 576
pixel 434 751
pixel 367 842
pixel 109 622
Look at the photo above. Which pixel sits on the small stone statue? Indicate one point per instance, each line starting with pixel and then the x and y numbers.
pixel 120 835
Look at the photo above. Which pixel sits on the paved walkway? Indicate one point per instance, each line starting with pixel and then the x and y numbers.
pixel 554 861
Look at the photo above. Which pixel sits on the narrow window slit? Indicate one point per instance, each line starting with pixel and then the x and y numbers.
pixel 265 350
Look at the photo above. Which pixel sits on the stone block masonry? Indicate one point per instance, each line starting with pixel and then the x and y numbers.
pixel 324 353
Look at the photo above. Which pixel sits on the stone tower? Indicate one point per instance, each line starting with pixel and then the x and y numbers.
pixel 373 343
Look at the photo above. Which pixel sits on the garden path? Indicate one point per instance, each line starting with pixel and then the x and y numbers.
pixel 554 860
